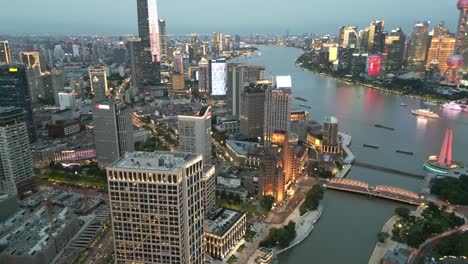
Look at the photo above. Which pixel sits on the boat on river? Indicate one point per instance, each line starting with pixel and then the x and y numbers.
pixel 425 113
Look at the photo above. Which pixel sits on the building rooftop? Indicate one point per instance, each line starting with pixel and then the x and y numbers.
pixel 36 233
pixel 242 147
pixel 158 160
pixel 219 221
pixel 331 120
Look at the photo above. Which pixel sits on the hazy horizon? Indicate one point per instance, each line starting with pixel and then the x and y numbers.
pixel 270 17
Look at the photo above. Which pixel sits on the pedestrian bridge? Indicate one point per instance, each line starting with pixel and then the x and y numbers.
pixel 385 192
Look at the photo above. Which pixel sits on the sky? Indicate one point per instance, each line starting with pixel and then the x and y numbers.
pixel 115 17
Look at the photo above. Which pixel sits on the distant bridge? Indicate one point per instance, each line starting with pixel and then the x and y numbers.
pixel 388 170
pixel 386 192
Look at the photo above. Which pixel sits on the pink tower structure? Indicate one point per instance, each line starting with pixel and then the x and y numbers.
pixel 454 63
pixel 445 157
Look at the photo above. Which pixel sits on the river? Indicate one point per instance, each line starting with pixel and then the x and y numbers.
pixel 346 232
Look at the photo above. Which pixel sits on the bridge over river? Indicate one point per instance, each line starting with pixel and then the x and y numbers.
pixel 386 192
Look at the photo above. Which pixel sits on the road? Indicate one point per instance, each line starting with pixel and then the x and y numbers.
pixel 104 248
pixel 303 186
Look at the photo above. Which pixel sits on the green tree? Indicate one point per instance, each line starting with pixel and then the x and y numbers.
pixel 402 212
pixel 267 203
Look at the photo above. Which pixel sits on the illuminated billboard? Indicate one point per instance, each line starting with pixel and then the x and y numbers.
pixel 283 82
pixel 218 76
pixel 373 65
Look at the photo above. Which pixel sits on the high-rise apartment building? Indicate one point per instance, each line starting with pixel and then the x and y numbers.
pixel 331 143
pixel 418 46
pixel 441 48
pixel 148 49
pixel 217 43
pixel 195 133
pixel 239 77
pixel 348 37
pixel 395 44
pixel 156 203
pixel 163 39
pixel 113 131
pixel 227 43
pixel 134 46
pixel 98 81
pixel 5 55
pixel 204 76
pixel 16 168
pixel 277 114
pixel 252 111
pixel 14 91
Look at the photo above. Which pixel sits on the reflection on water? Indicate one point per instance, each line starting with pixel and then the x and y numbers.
pixel 350 223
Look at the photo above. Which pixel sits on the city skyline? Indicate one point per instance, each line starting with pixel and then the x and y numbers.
pixel 317 18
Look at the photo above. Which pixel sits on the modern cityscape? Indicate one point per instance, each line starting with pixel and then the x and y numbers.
pixel 342 141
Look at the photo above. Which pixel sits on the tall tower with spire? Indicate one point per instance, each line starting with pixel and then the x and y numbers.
pixel 461 46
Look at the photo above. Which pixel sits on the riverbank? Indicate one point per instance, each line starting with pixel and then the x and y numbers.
pixel 304 226
pixel 374 87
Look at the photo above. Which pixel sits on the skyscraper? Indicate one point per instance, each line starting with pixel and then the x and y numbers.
pixel 5 56
pixel 252 111
pixel 373 37
pixel 272 180
pixel 157 207
pixel 133 46
pixel 217 43
pixel 163 39
pixel 441 48
pixel 418 46
pixel 277 114
pixel 462 33
pixel 240 76
pixel 348 37
pixel 98 80
pixel 195 133
pixel 331 142
pixel 227 43
pixel 113 131
pixel 203 76
pixel 33 75
pixel 149 53
pixel 14 91
pixel 16 168
pixel 395 44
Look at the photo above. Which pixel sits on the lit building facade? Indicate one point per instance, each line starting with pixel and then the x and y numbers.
pixel 331 143
pixel 348 37
pixel 441 48
pixel 163 39
pixel 373 37
pixel 418 46
pixel 113 131
pixel 98 81
pixel 272 180
pixel 5 55
pixel 217 43
pixel 16 166
pixel 277 114
pixel 204 76
pixel 224 228
pixel 156 203
pixel 195 134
